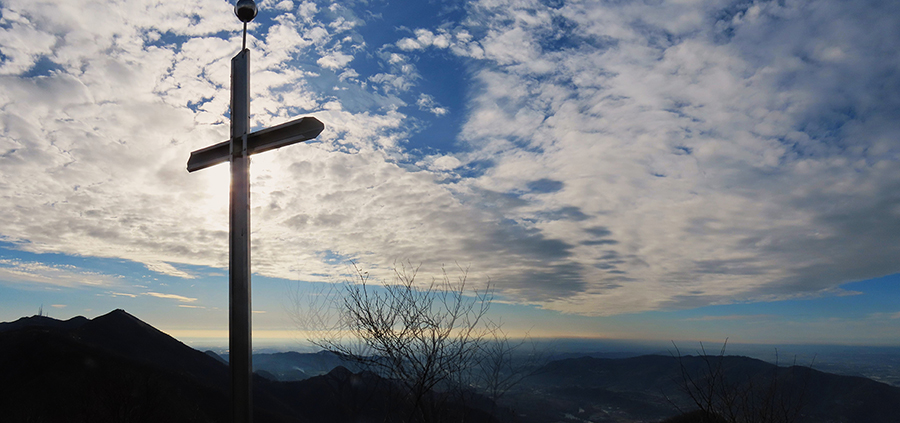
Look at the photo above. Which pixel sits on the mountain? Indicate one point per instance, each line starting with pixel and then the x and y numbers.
pixel 113 368
pixel 295 366
pixel 130 338
pixel 651 388
pixel 216 356
pixel 43 321
pixel 117 368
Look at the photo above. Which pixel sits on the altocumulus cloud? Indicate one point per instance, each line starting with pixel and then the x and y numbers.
pixel 612 157
pixel 55 275
pixel 175 297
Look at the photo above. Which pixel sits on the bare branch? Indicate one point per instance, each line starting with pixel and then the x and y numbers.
pixel 433 339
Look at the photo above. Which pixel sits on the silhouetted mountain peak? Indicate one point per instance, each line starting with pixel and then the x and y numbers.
pixel 340 373
pixel 113 365
pixel 121 333
pixel 119 313
pixel 119 319
pixel 118 330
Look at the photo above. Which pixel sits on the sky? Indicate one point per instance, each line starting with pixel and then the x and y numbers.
pixel 655 169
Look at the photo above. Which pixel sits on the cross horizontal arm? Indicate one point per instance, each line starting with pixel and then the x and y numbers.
pixel 292 132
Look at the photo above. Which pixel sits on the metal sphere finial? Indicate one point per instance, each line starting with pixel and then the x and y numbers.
pixel 245 10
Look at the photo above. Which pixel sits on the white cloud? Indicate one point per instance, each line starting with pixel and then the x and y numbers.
pixel 25 45
pixel 307 10
pixel 18 271
pixel 285 5
pixel 885 316
pixel 732 317
pixel 445 163
pixel 424 39
pixel 696 157
pixel 392 82
pixel 638 157
pixel 96 162
pixel 175 297
pixel 168 269
pixel 408 44
pixel 427 103
pixel 335 61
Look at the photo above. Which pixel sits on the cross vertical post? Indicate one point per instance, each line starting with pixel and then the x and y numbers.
pixel 237 150
pixel 239 310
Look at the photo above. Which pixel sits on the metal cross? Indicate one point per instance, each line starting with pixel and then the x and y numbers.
pixel 237 150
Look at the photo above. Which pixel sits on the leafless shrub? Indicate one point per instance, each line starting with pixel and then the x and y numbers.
pixel 433 340
pixel 722 396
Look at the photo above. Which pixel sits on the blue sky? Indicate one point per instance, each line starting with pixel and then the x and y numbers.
pixel 640 170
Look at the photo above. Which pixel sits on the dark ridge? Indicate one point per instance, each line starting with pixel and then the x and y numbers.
pixel 340 373
pixel 54 376
pixel 117 368
pixel 293 366
pixel 266 375
pixel 344 396
pixel 216 356
pixel 647 387
pixel 118 332
pixel 43 322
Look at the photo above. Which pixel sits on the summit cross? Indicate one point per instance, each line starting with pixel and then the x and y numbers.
pixel 238 150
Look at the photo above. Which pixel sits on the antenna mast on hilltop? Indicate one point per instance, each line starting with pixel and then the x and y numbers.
pixel 238 150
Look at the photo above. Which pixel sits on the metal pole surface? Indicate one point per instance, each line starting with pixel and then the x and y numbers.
pixel 239 342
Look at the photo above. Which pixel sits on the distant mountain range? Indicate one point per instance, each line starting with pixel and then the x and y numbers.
pixel 117 368
pixel 293 366
pixel 648 388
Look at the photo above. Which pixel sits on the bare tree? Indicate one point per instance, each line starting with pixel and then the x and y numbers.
pixel 718 396
pixel 433 340
pixel 505 362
